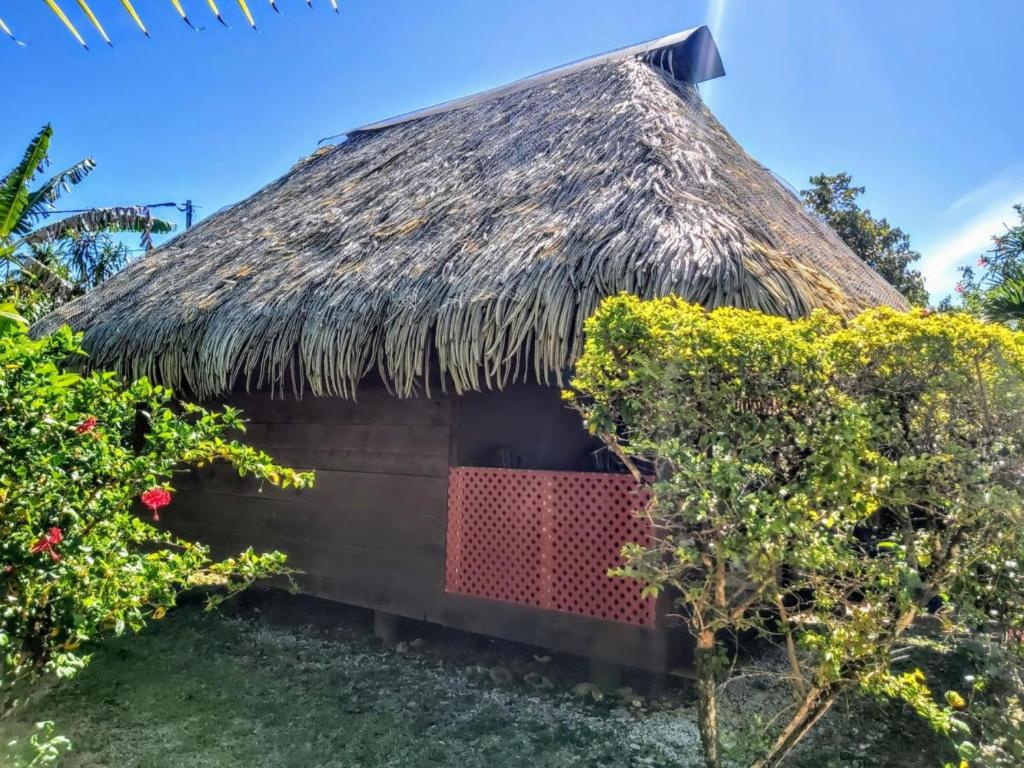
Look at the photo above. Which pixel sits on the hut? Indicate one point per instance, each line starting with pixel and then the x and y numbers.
pixel 398 311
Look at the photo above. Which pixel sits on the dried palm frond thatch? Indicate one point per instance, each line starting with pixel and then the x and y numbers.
pixel 476 239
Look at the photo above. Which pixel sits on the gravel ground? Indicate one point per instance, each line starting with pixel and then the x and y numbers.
pixel 203 690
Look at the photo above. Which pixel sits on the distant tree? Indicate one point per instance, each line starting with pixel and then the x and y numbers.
pixel 81 261
pixel 86 258
pixel 66 256
pixel 994 288
pixel 882 246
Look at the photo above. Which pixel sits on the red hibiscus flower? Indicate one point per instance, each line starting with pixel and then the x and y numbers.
pixel 87 426
pixel 47 542
pixel 156 499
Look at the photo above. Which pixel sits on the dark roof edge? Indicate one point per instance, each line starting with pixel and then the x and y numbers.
pixel 689 56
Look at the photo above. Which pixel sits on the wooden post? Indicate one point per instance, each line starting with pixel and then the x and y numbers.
pixel 387 627
pixel 605 675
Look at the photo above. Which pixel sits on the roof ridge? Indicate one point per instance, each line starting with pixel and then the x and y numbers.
pixel 690 56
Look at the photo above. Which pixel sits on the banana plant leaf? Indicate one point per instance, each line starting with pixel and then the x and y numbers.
pixel 114 219
pixel 15 197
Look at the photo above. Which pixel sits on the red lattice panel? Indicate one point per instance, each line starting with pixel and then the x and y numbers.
pixel 546 539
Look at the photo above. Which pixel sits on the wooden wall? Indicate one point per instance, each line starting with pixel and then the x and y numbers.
pixel 531 421
pixel 372 531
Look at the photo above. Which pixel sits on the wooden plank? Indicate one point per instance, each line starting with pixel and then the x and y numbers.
pixel 406 588
pixel 372 491
pixel 247 520
pixel 374 406
pixel 391 581
pixel 379 438
pixel 414 464
pixel 413 587
pixel 659 650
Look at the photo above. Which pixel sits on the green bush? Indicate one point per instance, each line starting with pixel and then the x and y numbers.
pixel 945 393
pixel 993 706
pixel 751 446
pixel 43 747
pixel 819 481
pixel 80 456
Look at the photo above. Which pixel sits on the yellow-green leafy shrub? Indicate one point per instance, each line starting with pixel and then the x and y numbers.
pixel 821 481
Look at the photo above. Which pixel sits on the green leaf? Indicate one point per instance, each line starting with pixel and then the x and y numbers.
pixel 14 194
pixel 64 380
pixel 10 320
pixel 40 201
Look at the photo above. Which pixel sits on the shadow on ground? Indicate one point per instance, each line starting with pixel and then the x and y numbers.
pixel 291 682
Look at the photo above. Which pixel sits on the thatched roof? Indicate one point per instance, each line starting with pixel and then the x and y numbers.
pixel 476 238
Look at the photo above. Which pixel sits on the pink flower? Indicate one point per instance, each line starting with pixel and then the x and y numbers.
pixel 47 542
pixel 982 261
pixel 155 499
pixel 87 426
pixel 960 288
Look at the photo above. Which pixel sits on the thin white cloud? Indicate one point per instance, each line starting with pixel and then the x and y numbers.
pixel 964 230
pixel 1000 187
pixel 964 243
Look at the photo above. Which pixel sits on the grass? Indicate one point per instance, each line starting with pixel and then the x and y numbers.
pixel 256 689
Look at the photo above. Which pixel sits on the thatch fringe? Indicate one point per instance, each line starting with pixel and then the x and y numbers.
pixel 476 240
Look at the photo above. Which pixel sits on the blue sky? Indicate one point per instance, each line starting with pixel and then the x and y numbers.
pixel 920 101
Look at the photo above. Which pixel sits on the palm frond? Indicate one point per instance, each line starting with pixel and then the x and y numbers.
pixel 216 11
pixel 14 194
pixel 1005 302
pixel 89 258
pixel 59 12
pixel 181 12
pixel 135 16
pixel 7 31
pixel 48 194
pixel 115 219
pixel 95 22
pixel 248 14
pixel 50 276
pixel 129 7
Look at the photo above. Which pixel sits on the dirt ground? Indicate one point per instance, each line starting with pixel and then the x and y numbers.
pixel 288 682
